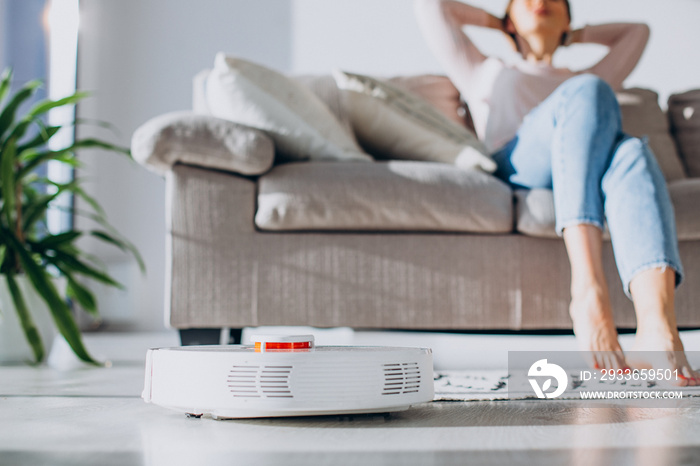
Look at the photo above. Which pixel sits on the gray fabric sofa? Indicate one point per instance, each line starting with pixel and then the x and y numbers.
pixel 387 244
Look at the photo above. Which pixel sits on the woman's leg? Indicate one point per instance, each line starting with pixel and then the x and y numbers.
pixel 566 144
pixel 657 343
pixel 573 144
pixel 590 309
pixel 642 229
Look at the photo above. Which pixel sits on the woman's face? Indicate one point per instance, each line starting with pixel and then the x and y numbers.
pixel 539 16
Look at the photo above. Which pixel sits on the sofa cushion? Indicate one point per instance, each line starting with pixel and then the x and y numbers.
pixel 642 116
pixel 392 123
pixel 434 89
pixel 382 196
pixel 300 124
pixel 438 91
pixel 203 141
pixel 534 211
pixel 684 113
pixel 685 195
pixel 325 88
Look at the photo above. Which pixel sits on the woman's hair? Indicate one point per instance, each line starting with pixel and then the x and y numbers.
pixel 564 36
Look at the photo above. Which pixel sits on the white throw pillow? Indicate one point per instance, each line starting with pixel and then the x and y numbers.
pixel 396 124
pixel 297 121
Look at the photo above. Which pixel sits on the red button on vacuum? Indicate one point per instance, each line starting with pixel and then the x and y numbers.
pixel 283 342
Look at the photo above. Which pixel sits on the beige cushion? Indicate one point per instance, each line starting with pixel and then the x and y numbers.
pixel 534 211
pixel 685 195
pixel 395 124
pixel 298 122
pixel 434 89
pixel 642 116
pixel 327 91
pixel 201 140
pixel 438 91
pixel 684 113
pixel 382 196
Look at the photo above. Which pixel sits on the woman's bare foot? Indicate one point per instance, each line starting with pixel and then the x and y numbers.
pixel 663 349
pixel 595 330
pixel 657 344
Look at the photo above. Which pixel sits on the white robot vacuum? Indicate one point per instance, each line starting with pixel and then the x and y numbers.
pixel 287 376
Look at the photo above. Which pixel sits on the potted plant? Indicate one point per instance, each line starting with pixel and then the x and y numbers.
pixel 27 249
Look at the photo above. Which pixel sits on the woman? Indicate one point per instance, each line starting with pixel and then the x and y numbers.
pixel 559 129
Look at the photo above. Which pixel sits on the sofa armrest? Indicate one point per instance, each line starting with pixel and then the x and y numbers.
pixel 203 141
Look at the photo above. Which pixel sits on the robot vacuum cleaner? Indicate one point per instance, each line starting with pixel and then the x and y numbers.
pixel 287 376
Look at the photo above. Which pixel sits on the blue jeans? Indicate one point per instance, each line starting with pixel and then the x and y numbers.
pixel 573 144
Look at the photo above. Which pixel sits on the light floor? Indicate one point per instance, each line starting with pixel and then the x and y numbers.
pixel 79 416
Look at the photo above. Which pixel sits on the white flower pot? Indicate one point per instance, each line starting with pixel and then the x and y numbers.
pixel 14 347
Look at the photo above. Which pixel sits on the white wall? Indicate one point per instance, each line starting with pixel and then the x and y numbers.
pixel 382 37
pixel 140 55
pixel 366 36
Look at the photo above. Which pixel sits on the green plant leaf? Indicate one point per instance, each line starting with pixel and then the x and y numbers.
pixel 122 244
pixel 73 187
pixel 45 133
pixel 20 129
pixel 34 210
pixel 42 283
pixel 90 200
pixel 56 241
pixel 97 144
pixel 75 265
pixel 7 259
pixel 5 81
pixel 59 309
pixel 111 232
pixel 31 332
pixel 33 159
pixel 7 117
pixel 81 294
pixel 100 124
pixel 21 154
pixel 7 165
pixel 46 105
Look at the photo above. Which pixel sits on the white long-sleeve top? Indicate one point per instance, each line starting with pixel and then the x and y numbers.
pixel 499 94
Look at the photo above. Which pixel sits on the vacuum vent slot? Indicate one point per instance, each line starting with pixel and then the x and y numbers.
pixel 242 380
pixel 274 381
pixel 260 381
pixel 401 378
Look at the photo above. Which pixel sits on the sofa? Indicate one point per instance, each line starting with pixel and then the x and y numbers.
pixel 258 238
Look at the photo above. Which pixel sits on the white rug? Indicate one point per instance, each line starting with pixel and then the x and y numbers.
pixel 499 385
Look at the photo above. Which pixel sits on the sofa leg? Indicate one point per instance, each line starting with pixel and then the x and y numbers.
pixel 210 336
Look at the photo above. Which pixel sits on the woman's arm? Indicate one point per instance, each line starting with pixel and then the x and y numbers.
pixel 441 22
pixel 626 42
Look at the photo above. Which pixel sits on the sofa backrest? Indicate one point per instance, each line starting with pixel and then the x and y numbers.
pixel 642 117
pixel 684 116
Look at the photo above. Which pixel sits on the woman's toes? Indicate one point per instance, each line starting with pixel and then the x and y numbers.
pixel 689 376
pixel 608 360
